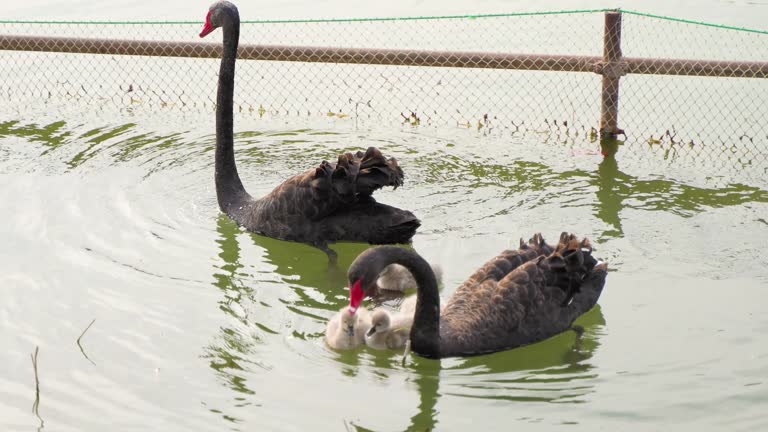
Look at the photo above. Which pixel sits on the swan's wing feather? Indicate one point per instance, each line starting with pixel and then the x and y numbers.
pixel 543 293
pixel 529 303
pixel 329 187
pixel 504 263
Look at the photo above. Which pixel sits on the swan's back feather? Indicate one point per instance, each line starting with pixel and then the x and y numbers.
pixel 474 288
pixel 333 202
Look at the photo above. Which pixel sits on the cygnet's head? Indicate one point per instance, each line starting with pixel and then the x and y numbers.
pixel 437 269
pixel 380 321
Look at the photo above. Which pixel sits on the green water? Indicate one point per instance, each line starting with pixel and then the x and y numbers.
pixel 202 326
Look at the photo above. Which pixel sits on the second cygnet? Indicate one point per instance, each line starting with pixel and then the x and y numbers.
pixel 395 277
pixel 389 330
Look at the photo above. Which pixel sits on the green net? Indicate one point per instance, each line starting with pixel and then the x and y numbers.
pixel 682 116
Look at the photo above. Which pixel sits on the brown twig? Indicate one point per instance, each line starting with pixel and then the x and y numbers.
pixel 81 347
pixel 406 352
pixel 36 404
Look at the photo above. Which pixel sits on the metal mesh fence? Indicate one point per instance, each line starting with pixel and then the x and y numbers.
pixel 724 117
pixel 684 117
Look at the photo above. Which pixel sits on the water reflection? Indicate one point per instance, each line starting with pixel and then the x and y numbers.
pixel 555 370
pixel 514 185
pixel 616 191
pixel 275 296
pixel 610 181
pixel 51 135
pixel 427 380
pixel 558 370
pixel 230 355
pixel 314 284
pixel 307 270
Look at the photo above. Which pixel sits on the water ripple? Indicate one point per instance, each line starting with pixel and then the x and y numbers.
pixel 199 324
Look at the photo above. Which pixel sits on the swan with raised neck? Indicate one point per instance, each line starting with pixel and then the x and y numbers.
pixel 328 203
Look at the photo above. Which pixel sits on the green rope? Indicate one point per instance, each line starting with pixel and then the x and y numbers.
pixel 414 18
pixel 321 20
pixel 432 17
pixel 687 21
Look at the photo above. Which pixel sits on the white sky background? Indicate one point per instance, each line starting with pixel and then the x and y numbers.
pixel 746 13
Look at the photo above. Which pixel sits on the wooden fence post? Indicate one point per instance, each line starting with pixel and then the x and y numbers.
pixel 612 69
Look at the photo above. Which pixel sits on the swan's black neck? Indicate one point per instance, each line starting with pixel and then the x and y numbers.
pixel 229 189
pixel 425 332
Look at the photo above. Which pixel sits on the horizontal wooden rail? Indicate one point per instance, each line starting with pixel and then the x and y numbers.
pixel 711 68
pixel 396 57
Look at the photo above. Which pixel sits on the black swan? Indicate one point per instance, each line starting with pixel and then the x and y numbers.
pixel 519 297
pixel 322 205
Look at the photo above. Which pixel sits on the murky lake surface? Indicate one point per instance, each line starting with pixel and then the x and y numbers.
pixel 202 326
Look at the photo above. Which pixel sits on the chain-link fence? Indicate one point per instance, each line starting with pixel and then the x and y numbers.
pixel 537 73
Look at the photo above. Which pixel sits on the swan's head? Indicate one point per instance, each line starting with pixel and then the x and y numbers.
pixel 364 273
pixel 366 268
pixel 218 13
pixel 380 321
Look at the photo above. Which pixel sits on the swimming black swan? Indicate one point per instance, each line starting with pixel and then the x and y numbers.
pixel 329 203
pixel 519 297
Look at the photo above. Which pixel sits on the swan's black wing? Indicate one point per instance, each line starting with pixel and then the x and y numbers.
pixel 528 305
pixel 333 202
pixel 371 222
pixel 497 268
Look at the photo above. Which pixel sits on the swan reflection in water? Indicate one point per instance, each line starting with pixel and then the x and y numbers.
pixel 557 370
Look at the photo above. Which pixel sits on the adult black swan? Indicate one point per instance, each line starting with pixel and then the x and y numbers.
pixel 519 297
pixel 329 203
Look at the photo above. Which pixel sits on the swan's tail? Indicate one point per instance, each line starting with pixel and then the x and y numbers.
pixel 332 202
pixel 372 171
pixel 590 289
pixel 507 261
pixel 572 268
pixel 538 244
pixel 352 179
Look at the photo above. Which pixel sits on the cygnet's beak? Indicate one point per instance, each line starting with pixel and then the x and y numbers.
pixel 371 331
pixel 350 330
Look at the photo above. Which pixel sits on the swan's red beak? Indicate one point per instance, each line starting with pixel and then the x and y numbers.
pixel 356 295
pixel 207 27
